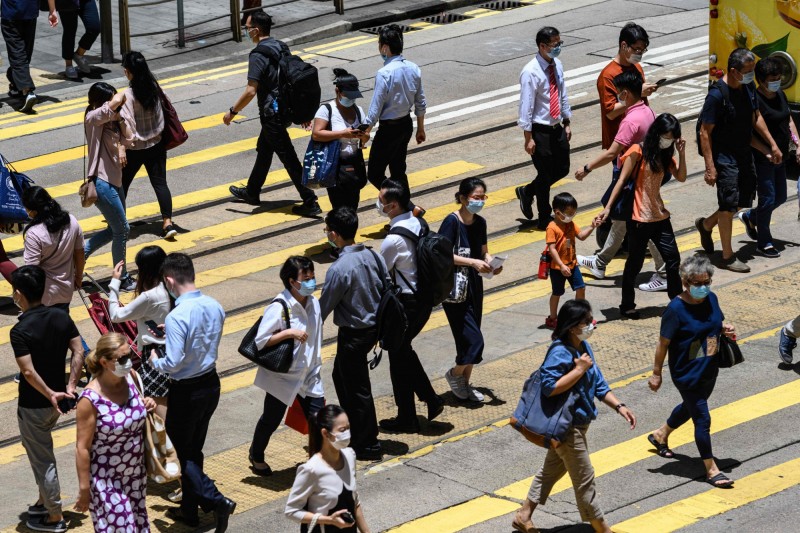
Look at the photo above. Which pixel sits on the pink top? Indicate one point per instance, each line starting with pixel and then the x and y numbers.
pixel 103 137
pixel 144 126
pixel 637 120
pixel 54 252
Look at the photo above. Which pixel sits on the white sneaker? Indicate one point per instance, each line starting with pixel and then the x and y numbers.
pixel 656 283
pixel 474 395
pixel 30 100
pixel 457 385
pixel 590 262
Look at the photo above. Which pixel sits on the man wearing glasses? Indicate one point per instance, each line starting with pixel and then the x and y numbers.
pixel 544 116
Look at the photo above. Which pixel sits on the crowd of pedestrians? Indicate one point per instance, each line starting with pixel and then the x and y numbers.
pixel 179 328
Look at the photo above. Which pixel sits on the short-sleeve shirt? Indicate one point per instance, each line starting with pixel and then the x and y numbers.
pixel 468 241
pixel 732 129
pixel 637 120
pixel 336 122
pixel 564 239
pixel 776 115
pixel 54 252
pixel 264 70
pixel 607 92
pixel 693 331
pixel 43 333
pixel 648 206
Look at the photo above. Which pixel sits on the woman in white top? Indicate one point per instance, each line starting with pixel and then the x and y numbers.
pixel 303 380
pixel 324 494
pixel 339 120
pixel 152 302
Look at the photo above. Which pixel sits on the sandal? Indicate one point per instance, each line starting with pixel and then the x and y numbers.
pixel 727 482
pixel 661 447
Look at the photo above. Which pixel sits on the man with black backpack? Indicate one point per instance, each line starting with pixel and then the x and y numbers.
pixel 287 89
pixel 724 131
pixel 399 250
pixel 352 292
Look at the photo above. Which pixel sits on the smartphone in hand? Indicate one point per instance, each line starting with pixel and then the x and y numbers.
pixel 157 331
pixel 661 82
pixel 65 405
pixel 347 517
pixel 363 127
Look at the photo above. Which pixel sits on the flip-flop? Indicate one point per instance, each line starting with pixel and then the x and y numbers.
pixel 661 448
pixel 720 477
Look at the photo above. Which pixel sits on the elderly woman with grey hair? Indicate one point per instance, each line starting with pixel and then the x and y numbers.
pixel 690 332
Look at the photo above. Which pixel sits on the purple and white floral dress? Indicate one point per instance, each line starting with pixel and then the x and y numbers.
pixel 118 485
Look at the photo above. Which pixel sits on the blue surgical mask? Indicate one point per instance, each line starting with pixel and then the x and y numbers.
pixel 307 287
pixel 346 102
pixel 474 206
pixel 555 52
pixel 773 86
pixel 748 78
pixel 699 293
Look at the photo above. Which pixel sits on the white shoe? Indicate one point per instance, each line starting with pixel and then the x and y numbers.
pixel 590 262
pixel 474 395
pixel 30 100
pixel 656 283
pixel 457 385
pixel 83 64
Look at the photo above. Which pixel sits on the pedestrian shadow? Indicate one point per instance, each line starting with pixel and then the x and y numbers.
pixel 653 311
pixel 781 366
pixel 73 519
pixel 687 467
pixel 279 206
pixel 279 481
pixel 573 528
pixel 451 400
pixel 394 447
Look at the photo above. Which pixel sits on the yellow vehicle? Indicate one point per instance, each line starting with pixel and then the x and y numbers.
pixel 770 28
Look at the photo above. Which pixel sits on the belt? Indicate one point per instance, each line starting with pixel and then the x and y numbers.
pixel 545 127
pixel 195 379
pixel 390 121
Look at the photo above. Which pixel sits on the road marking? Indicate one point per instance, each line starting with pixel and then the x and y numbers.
pixel 614 458
pixel 715 502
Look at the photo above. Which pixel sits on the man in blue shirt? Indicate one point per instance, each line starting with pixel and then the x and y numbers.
pixel 193 330
pixel 398 88
pixel 18 24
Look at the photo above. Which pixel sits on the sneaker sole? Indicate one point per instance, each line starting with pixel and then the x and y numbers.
pixel 170 234
pixel 50 529
pixel 645 288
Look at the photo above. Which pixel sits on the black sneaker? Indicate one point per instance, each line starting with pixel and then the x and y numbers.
pixel 13 92
pixel 37 510
pixel 768 251
pixel 169 233
pixel 128 285
pixel 744 217
pixel 307 209
pixel 241 193
pixel 525 202
pixel 706 240
pixel 30 100
pixel 40 523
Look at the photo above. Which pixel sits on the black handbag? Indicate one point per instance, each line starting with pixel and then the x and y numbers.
pixel 729 353
pixel 155 383
pixel 276 358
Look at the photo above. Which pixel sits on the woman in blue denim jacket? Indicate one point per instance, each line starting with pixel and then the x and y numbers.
pixel 570 365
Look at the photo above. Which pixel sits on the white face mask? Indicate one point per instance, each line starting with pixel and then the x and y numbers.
pixel 380 207
pixel 122 371
pixel 635 58
pixel 566 219
pixel 586 332
pixel 774 86
pixel 665 142
pixel 341 440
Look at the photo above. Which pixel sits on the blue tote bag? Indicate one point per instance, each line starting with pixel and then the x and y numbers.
pixel 321 163
pixel 541 419
pixel 12 184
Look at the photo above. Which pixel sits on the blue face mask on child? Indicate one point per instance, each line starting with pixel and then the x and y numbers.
pixel 307 287
pixel 699 293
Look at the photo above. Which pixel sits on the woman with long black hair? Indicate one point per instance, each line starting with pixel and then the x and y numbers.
pixel 144 117
pixel 648 164
pixel 324 494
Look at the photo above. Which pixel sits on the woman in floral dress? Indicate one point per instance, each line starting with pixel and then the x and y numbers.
pixel 110 446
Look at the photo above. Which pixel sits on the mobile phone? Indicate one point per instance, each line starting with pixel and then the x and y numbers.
pixel 347 517
pixel 157 331
pixel 661 82
pixel 363 127
pixel 65 405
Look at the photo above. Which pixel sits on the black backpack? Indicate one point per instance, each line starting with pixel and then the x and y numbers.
pixel 392 321
pixel 299 94
pixel 435 267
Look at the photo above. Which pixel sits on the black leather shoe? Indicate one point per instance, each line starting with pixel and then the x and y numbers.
pixel 175 513
pixel 223 511
pixel 373 453
pixel 241 194
pixel 525 202
pixel 395 425
pixel 307 209
pixel 435 408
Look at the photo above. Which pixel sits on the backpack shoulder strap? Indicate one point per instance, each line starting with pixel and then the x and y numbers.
pixel 381 270
pixel 405 232
pixel 330 116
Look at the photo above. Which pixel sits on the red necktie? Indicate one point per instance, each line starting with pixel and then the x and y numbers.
pixel 555 107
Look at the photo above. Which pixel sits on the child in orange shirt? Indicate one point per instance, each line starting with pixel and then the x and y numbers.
pixel 561 235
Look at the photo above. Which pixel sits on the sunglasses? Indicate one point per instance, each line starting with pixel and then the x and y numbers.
pixel 123 359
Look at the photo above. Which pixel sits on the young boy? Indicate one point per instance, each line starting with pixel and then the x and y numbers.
pixel 561 235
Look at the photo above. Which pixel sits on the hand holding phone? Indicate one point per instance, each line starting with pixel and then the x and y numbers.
pixel 65 405
pixel 157 331
pixel 347 517
pixel 363 127
pixel 661 82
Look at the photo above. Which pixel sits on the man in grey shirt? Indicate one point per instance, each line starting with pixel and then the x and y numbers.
pixel 352 292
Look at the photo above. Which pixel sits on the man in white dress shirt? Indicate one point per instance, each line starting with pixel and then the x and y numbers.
pixel 544 116
pixel 400 254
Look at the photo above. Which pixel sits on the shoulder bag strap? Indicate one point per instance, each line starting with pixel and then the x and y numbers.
pixel 285 311
pixel 330 117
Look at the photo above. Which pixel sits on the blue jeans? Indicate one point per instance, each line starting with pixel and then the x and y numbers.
pixel 111 203
pixel 771 194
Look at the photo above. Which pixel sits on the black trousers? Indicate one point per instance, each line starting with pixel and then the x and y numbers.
pixel 551 160
pixel 274 140
pixel 190 405
pixel 353 387
pixel 274 411
pixel 19 36
pixel 389 149
pixel 405 368
pixel 91 23
pixel 663 237
pixel 154 160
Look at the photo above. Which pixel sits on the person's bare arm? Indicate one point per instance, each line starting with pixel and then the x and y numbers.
pixel 247 96
pixel 33 378
pixel 708 158
pixel 76 364
pixel 86 420
pixel 661 354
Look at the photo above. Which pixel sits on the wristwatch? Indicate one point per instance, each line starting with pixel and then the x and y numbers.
pixel 586 168
pixel 232 112
pixel 619 406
